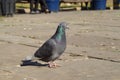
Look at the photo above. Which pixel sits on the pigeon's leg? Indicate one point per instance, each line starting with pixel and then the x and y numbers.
pixel 50 64
pixel 53 65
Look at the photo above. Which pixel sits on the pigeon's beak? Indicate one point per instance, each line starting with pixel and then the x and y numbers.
pixel 67 27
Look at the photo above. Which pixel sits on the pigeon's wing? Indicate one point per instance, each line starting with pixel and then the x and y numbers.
pixel 47 49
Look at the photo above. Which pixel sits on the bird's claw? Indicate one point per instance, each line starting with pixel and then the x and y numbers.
pixel 53 65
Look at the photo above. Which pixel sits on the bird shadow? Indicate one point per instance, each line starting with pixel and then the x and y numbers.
pixel 31 63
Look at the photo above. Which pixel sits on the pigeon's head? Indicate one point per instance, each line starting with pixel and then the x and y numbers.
pixel 63 26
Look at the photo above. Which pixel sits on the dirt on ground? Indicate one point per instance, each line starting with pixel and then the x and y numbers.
pixel 93 45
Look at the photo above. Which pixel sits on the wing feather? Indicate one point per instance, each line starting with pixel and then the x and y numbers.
pixel 46 50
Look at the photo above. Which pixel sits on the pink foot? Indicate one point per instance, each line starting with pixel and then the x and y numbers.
pixel 53 65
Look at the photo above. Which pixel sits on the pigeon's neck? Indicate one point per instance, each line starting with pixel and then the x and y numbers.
pixel 60 34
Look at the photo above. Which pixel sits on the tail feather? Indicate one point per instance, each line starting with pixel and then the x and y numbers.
pixel 30 58
pixel 35 56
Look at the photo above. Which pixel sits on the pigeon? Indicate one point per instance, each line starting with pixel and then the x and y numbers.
pixel 53 48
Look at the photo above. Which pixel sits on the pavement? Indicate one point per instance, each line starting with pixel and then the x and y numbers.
pixel 93 45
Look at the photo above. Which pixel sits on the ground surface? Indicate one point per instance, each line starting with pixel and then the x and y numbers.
pixel 93 46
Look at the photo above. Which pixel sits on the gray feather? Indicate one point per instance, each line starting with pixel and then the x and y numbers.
pixel 54 47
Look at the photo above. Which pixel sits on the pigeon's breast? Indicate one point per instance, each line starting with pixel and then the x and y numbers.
pixel 60 48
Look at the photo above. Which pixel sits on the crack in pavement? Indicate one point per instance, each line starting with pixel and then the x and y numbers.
pixel 35 43
pixel 93 57
pixel 100 58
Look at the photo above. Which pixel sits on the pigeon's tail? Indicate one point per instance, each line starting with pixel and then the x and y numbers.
pixel 30 58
